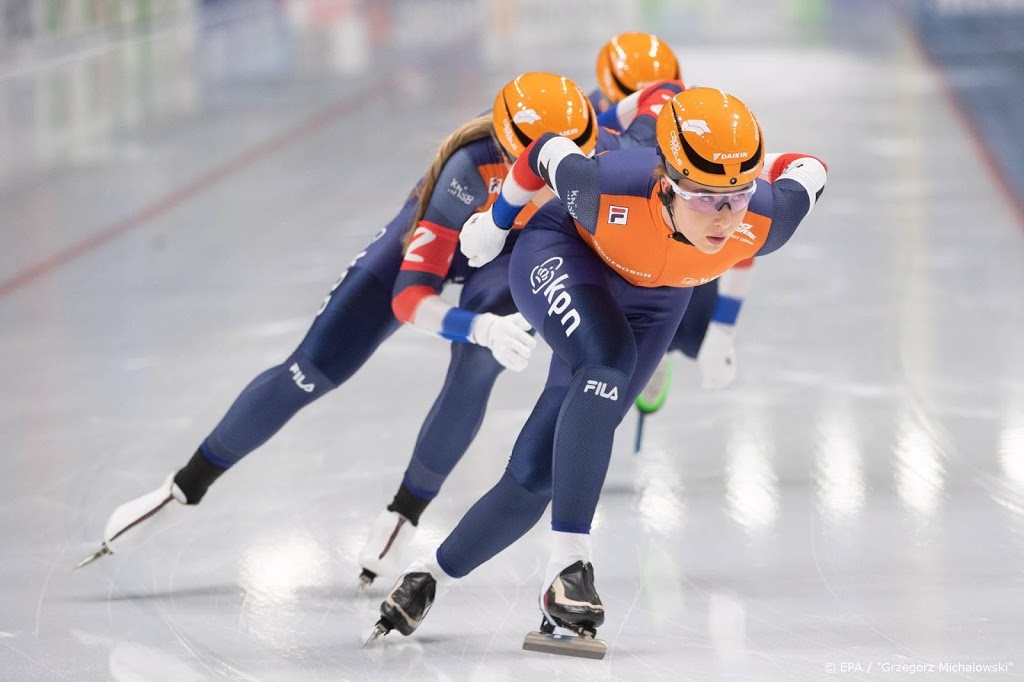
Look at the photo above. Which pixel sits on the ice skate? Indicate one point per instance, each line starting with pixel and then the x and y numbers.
pixel 407 604
pixel 654 395
pixel 385 548
pixel 571 602
pixel 136 521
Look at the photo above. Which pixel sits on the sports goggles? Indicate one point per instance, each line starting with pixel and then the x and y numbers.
pixel 712 202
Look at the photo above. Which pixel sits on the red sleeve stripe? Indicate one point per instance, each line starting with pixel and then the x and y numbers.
pixel 781 163
pixel 405 303
pixel 431 249
pixel 655 96
pixel 747 263
pixel 523 175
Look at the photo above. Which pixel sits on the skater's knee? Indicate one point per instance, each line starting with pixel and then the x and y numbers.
pixel 306 374
pixel 598 395
pixel 610 346
pixel 533 478
pixel 473 364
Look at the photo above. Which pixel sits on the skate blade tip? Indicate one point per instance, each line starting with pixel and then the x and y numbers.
pixel 565 645
pixel 102 552
pixel 379 631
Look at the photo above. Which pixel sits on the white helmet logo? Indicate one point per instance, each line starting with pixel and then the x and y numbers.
pixel 526 116
pixel 695 125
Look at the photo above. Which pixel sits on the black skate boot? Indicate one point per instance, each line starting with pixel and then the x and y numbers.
pixel 406 605
pixel 570 602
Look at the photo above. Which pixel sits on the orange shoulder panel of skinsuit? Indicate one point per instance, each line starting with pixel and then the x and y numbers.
pixel 525 215
pixel 492 174
pixel 635 241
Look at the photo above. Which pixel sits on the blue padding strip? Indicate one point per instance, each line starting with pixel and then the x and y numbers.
pixel 418 492
pixel 504 213
pixel 570 527
pixel 727 309
pixel 444 566
pixel 212 458
pixel 456 325
pixel 610 118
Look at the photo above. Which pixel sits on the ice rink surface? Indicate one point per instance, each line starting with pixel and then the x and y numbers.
pixel 176 202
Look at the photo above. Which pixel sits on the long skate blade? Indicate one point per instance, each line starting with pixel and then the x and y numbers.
pixel 565 645
pixel 379 630
pixel 103 551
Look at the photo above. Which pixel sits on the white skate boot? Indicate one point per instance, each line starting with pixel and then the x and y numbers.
pixel 385 548
pixel 134 522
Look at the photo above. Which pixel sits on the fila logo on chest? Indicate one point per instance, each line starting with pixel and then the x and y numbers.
pixel 618 215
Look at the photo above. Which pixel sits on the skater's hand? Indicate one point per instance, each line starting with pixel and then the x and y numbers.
pixel 481 240
pixel 507 336
pixel 717 357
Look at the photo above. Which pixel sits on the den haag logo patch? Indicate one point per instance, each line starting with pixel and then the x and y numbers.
pixel 618 215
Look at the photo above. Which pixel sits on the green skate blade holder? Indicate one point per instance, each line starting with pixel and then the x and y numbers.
pixel 565 645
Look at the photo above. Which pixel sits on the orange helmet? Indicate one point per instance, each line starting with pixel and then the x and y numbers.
pixel 536 103
pixel 629 61
pixel 710 137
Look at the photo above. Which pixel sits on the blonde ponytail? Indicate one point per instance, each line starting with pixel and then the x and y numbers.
pixel 470 131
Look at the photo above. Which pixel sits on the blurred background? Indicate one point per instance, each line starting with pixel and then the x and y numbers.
pixel 181 181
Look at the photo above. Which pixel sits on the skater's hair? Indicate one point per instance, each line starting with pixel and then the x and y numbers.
pixel 661 171
pixel 470 131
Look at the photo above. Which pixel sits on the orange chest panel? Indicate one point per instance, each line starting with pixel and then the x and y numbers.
pixel 635 242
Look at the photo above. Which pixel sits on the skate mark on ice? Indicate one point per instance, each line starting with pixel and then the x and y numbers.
pixel 842 604
pixel 52 671
pixel 200 653
pixel 46 585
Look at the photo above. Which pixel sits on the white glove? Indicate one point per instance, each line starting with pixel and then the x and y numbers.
pixel 717 357
pixel 507 336
pixel 481 240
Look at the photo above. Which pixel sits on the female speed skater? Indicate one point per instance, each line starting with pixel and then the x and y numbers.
pixel 396 279
pixel 604 276
pixel 625 65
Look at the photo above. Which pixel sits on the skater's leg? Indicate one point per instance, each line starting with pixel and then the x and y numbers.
pixel 449 428
pixel 584 321
pixel 690 332
pixel 355 322
pixel 455 417
pixel 354 319
pixel 515 504
pixel 351 323
pixel 498 519
pixel 687 339
pixel 575 309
